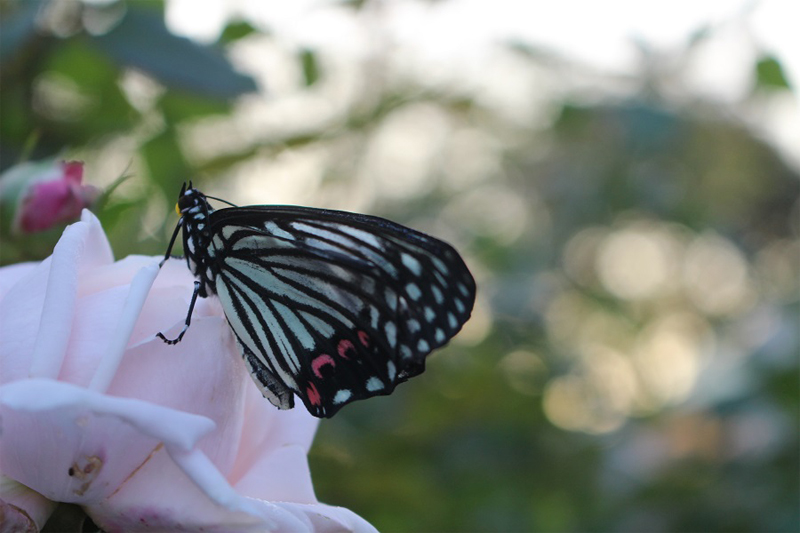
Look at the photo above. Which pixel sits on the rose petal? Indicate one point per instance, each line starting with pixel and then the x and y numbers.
pixel 132 308
pixel 161 497
pixel 12 274
pixel 274 476
pixel 74 445
pixel 73 171
pixel 206 363
pixel 327 518
pixel 82 246
pixel 277 430
pixel 93 329
pixel 294 426
pixel 20 312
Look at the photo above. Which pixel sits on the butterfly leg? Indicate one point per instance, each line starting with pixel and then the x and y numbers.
pixel 177 339
pixel 171 244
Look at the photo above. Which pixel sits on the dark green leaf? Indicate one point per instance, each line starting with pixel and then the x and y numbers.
pixel 179 105
pixel 142 40
pixel 222 163
pixel 308 58
pixel 235 31
pixel 104 108
pixel 769 74
pixel 168 168
pixel 16 122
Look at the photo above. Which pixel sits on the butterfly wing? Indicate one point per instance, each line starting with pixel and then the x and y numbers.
pixel 334 306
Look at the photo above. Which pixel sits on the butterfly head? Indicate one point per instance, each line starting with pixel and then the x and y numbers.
pixel 190 200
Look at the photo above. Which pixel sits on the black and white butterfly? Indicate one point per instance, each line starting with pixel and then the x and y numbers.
pixel 329 305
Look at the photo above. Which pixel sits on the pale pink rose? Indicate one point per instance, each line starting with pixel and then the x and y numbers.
pixel 97 411
pixel 53 196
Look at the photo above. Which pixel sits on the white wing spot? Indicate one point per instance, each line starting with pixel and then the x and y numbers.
pixel 423 346
pixel 452 320
pixel 439 264
pixel 437 294
pixel 463 288
pixel 373 317
pixel 391 298
pixel 391 333
pixel 392 370
pixel 413 291
pixel 342 396
pixel 374 384
pixel 405 352
pixel 459 305
pixel 440 336
pixel 413 325
pixel 430 314
pixel 411 263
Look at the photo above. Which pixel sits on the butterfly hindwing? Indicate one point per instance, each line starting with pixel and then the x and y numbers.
pixel 336 306
pixel 271 387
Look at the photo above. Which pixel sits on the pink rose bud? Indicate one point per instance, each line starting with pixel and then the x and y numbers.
pixel 54 198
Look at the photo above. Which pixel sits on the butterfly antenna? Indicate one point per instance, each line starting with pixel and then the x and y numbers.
pixel 221 200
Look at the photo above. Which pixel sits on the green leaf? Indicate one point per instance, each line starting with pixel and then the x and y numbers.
pixel 104 108
pixel 16 124
pixel 179 105
pixel 769 74
pixel 168 168
pixel 308 58
pixel 142 40
pixel 235 31
pixel 101 202
pixel 225 162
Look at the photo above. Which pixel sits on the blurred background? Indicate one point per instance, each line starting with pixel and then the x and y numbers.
pixel 621 177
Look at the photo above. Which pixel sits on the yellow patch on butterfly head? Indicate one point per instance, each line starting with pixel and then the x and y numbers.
pixel 177 209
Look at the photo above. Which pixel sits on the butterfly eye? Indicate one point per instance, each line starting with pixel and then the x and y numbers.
pixel 185 201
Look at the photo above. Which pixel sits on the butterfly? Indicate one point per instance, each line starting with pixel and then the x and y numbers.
pixel 327 305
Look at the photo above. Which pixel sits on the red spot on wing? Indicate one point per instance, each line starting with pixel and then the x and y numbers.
pixel 313 394
pixel 344 346
pixel 364 338
pixel 321 361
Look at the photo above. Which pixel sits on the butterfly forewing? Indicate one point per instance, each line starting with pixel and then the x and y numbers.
pixel 337 306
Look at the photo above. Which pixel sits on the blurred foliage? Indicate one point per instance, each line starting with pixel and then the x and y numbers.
pixel 769 73
pixel 632 364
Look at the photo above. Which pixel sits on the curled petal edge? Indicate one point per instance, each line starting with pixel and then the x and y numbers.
pixel 180 429
pixel 21 508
